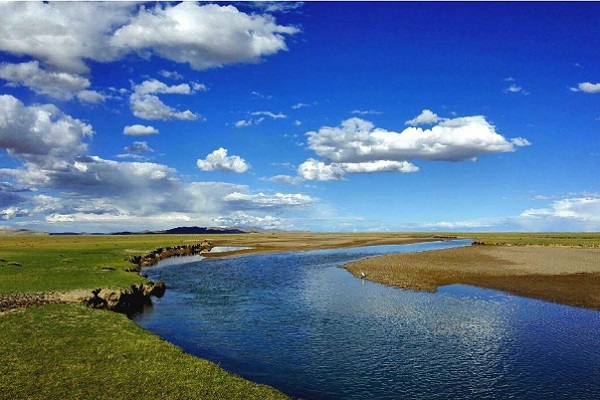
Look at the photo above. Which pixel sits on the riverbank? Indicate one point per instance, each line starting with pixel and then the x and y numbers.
pixel 560 274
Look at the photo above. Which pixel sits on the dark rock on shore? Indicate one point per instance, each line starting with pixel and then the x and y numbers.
pixel 127 302
pixel 21 300
pixel 161 253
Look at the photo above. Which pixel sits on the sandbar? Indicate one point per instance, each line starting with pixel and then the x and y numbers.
pixel 565 275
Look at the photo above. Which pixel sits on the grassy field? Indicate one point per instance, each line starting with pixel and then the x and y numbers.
pixel 538 239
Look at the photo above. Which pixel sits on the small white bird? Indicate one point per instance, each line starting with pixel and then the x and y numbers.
pixel 363 275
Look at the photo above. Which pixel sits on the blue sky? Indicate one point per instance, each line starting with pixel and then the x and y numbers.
pixel 337 116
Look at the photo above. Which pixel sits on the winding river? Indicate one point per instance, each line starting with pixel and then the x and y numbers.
pixel 298 322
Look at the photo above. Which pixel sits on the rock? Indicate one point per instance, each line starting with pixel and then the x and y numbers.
pixel 158 289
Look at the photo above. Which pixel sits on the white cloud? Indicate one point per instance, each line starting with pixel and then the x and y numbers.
pixel 58 85
pixel 244 220
pixel 139 130
pixel 568 214
pixel 150 107
pixel 205 36
pixel 138 147
pixel 40 133
pixel 171 75
pixel 314 170
pixel 244 123
pixel 426 117
pixel 274 201
pixel 91 96
pixel 67 34
pixel 456 139
pixel 144 104
pixel 366 112
pixel 103 195
pixel 269 114
pixel 300 105
pixel 297 123
pixel 62 34
pixel 587 87
pixel 284 179
pixel 153 86
pixel 218 160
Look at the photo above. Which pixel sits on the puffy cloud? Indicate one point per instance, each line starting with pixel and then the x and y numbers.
pixel 205 36
pixel 144 104
pixel 65 34
pixel 425 118
pixel 218 160
pixel 262 200
pixel 298 106
pixel 139 130
pixel 59 85
pixel 155 86
pixel 101 194
pixel 150 107
pixel 138 147
pixel 456 139
pixel 40 133
pixel 314 170
pixel 244 220
pixel 587 87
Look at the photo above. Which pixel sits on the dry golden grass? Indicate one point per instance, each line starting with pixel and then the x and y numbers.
pixel 564 275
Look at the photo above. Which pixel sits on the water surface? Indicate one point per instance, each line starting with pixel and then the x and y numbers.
pixel 298 322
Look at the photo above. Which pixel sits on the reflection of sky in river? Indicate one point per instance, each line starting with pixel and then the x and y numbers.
pixel 298 322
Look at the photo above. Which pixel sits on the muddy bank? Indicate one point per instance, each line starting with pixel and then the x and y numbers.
pixel 563 275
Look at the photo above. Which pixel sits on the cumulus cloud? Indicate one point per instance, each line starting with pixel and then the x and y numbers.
pixel 152 86
pixel 65 34
pixel 568 214
pixel 218 160
pixel 587 87
pixel 274 201
pixel 146 105
pixel 457 139
pixel 138 147
pixel 314 170
pixel 105 194
pixel 58 85
pixel 204 36
pixel 139 130
pixel 150 107
pixel 244 220
pixel 426 117
pixel 40 133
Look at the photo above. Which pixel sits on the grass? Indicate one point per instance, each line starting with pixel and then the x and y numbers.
pixel 68 352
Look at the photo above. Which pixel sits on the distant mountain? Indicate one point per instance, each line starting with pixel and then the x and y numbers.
pixel 4 230
pixel 192 230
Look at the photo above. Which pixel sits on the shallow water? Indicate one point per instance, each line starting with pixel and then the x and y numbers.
pixel 297 322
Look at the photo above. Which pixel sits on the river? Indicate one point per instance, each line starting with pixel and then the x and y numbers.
pixel 298 322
